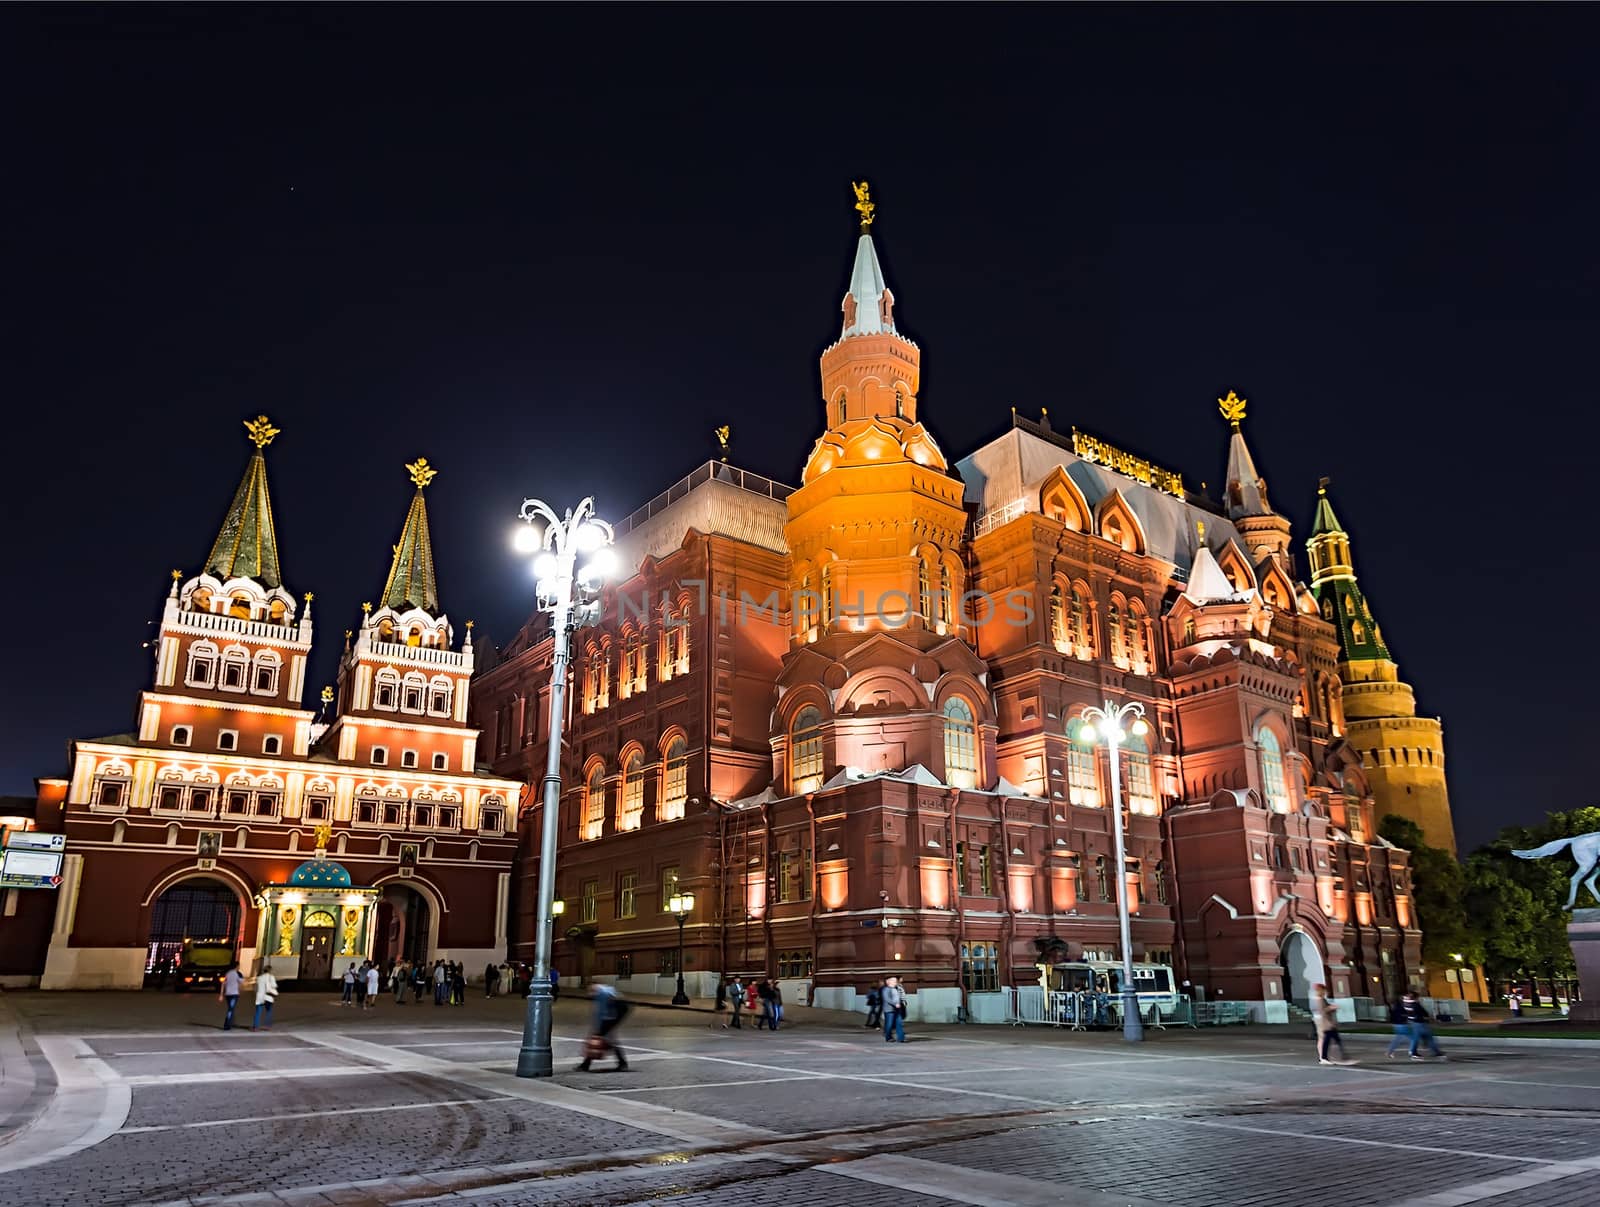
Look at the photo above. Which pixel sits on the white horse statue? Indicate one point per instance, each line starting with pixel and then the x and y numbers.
pixel 1586 850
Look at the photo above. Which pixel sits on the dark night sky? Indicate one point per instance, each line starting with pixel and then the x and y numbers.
pixel 551 249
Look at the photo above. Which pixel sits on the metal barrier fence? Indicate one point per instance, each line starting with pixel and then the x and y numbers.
pixel 1080 1010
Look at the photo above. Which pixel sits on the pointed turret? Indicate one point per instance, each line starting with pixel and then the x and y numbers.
pixel 869 305
pixel 411 583
pixel 247 544
pixel 1207 582
pixel 1265 532
pixel 1333 582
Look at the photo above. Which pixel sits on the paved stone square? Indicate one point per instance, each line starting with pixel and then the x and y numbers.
pixel 143 1099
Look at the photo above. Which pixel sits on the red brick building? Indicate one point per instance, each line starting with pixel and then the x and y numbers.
pixel 844 716
pixel 233 813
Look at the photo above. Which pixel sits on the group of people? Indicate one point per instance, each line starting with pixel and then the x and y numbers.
pixel 360 986
pixel 763 998
pixel 886 1008
pixel 1408 1016
pixel 266 995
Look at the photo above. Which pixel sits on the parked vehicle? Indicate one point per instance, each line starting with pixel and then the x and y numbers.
pixel 203 963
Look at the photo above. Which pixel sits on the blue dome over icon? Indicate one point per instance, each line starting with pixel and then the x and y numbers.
pixel 320 873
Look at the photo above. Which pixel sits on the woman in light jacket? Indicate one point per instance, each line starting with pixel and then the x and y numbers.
pixel 266 994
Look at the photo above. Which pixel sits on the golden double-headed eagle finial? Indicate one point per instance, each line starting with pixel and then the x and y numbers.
pixel 1232 408
pixel 327 695
pixel 864 205
pixel 724 434
pixel 261 430
pixel 421 472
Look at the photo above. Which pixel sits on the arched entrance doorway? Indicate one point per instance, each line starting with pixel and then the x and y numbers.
pixel 1302 966
pixel 406 926
pixel 197 912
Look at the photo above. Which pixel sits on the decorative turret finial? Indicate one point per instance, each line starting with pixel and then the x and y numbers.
pixel 1232 408
pixel 421 472
pixel 470 623
pixel 366 606
pixel 864 205
pixel 724 434
pixel 327 695
pixel 1322 487
pixel 261 430
pixel 309 596
pixel 177 575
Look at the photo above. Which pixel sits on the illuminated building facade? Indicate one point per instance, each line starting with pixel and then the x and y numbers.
pixel 233 813
pixel 843 715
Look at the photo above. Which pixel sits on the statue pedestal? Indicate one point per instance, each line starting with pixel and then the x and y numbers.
pixel 1583 932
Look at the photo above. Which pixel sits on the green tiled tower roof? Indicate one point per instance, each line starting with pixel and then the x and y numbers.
pixel 411 583
pixel 247 544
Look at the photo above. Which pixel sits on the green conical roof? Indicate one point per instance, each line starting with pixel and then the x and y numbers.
pixel 247 544
pixel 411 583
pixel 1325 520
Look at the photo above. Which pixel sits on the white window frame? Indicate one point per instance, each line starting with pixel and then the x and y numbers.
pixel 228 739
pixel 441 761
pixel 380 756
pixel 272 743
pixel 188 735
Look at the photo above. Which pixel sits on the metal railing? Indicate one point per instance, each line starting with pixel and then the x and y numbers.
pixel 1080 1010
pixel 718 471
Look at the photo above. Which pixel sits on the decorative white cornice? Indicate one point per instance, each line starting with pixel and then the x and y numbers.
pixel 242 704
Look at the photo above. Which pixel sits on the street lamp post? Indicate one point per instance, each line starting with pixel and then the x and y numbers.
pixel 1107 724
pixel 570 592
pixel 681 905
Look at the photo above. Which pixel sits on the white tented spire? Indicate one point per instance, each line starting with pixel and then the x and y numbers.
pixel 1246 495
pixel 1207 582
pixel 864 310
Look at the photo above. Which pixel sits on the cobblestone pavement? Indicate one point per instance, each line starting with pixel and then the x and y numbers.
pixel 154 1104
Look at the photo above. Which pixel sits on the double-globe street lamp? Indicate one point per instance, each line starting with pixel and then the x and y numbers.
pixel 681 905
pixel 1107 725
pixel 572 559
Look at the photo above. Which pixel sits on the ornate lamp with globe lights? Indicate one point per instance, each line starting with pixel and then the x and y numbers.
pixel 572 558
pixel 1112 726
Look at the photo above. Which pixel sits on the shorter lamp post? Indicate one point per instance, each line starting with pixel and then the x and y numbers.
pixel 1106 724
pixel 1460 960
pixel 681 905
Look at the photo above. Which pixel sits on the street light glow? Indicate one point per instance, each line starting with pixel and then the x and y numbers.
pixel 525 538
pixel 545 566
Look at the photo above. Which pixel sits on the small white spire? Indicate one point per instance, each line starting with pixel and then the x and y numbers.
pixel 1207 582
pixel 868 291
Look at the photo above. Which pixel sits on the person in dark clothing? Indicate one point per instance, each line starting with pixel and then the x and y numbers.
pixel 736 1000
pixel 875 1007
pixel 609 1011
pixel 1409 1013
pixel 764 996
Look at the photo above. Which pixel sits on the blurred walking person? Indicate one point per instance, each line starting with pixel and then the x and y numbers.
pixel 266 994
pixel 894 1011
pixel 1326 1017
pixel 609 1011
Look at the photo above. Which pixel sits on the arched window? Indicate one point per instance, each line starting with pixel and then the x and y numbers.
pixel 630 805
pixel 1138 784
pixel 594 803
pixel 202 665
pixel 264 673
pixel 924 594
pixel 1273 784
pixel 1058 619
pixel 827 596
pixel 633 678
pixel 1139 639
pixel 674 781
pixel 680 633
pixel 1327 608
pixel 665 663
pixel 386 690
pixel 1102 883
pixel 412 691
pixel 1083 771
pixel 1161 882
pixel 1114 633
pixel 439 697
pixel 960 743
pixel 947 601
pixel 1078 624
pixel 240 606
pixel 805 749
pixel 235 669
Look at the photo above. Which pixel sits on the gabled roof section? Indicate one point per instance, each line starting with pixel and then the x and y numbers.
pixel 247 544
pixel 411 582
pixel 1207 583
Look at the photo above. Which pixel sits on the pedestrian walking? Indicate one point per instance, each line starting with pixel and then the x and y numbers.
pixel 752 998
pixel 419 981
pixel 736 1002
pixel 361 986
pixel 775 1005
pixel 266 994
pixel 875 1006
pixel 763 1004
pixel 401 979
pixel 1326 1017
pixel 372 986
pixel 1515 1001
pixel 1410 1014
pixel 458 984
pixel 491 975
pixel 439 975
pixel 894 1011
pixel 349 989
pixel 609 1011
pixel 721 1004
pixel 232 983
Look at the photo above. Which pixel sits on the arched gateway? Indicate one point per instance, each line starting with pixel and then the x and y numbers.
pixel 1302 965
pixel 199 910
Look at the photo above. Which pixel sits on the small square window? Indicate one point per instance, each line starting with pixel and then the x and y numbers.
pixel 233 674
pixel 408 758
pixel 317 808
pixel 413 700
pixel 490 822
pixel 267 804
pixel 447 818
pixel 422 816
pixel 367 811
pixel 200 801
pixel 380 756
pixel 228 739
pixel 385 697
pixel 238 802
pixel 181 735
pixel 272 744
pixel 391 815
pixel 170 798
pixel 441 762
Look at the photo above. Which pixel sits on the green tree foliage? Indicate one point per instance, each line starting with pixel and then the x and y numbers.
pixel 1439 889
